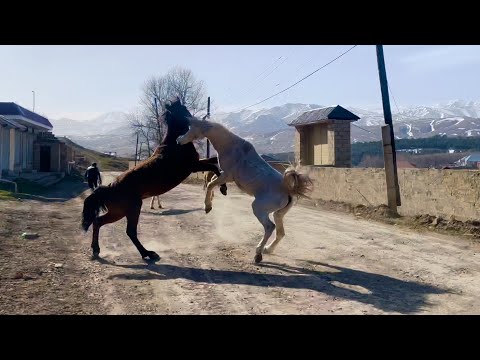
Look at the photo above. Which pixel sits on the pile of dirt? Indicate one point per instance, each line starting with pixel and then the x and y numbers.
pixel 451 225
pixel 374 212
pixel 382 213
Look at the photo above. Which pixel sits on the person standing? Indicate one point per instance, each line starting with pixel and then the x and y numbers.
pixel 92 175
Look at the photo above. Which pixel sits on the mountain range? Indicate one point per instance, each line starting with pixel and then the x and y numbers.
pixel 268 131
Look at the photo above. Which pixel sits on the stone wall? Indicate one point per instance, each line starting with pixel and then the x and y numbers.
pixel 423 191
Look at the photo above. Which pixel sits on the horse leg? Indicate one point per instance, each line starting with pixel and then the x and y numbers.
pixel 205 165
pixel 151 202
pixel 222 179
pixel 261 211
pixel 159 203
pixel 280 231
pixel 109 217
pixel 213 192
pixel 133 215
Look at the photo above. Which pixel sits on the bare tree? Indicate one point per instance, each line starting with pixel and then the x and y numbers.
pixel 178 82
pixel 140 123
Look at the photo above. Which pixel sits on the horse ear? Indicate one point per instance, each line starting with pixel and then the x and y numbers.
pixel 172 101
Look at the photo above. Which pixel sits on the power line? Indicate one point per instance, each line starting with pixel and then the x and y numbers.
pixel 264 71
pixel 395 101
pixel 363 129
pixel 297 70
pixel 299 81
pixel 259 78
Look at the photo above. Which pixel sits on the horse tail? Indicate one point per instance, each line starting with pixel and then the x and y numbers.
pixel 92 206
pixel 298 184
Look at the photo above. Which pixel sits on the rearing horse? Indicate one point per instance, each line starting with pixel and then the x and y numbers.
pixel 165 169
pixel 240 163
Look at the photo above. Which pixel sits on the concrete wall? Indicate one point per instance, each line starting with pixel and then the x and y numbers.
pixel 4 150
pixel 55 164
pixel 423 191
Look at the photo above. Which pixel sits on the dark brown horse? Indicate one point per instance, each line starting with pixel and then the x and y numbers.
pixel 165 169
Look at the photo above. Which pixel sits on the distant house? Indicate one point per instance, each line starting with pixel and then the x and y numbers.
pixel 322 137
pixel 26 142
pixel 19 128
pixel 470 161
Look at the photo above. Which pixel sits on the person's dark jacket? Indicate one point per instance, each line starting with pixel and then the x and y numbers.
pixel 93 174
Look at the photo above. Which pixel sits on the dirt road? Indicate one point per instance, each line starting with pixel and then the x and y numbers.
pixel 328 263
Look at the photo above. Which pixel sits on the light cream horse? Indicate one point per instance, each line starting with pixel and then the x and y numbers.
pixel 240 163
pixel 158 201
pixel 207 177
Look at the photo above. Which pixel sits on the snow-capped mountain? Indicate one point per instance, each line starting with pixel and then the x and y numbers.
pixel 262 121
pixel 99 125
pixel 267 129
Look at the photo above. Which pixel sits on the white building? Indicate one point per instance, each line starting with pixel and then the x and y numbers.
pixel 19 129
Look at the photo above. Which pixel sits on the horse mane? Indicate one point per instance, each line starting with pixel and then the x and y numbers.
pixel 206 125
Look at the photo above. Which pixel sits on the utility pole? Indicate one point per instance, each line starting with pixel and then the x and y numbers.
pixel 158 122
pixel 388 138
pixel 136 150
pixel 208 116
pixel 33 91
pixel 140 151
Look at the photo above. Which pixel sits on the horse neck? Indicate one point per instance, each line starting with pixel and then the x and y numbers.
pixel 171 138
pixel 220 137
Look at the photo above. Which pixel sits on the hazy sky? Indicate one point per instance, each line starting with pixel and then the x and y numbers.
pixel 80 82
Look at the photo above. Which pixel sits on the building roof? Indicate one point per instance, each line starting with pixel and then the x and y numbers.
pixel 322 114
pixel 11 124
pixel 10 108
pixel 475 157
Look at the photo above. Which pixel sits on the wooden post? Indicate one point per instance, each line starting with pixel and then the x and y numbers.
pixel 208 116
pixel 389 168
pixel 388 120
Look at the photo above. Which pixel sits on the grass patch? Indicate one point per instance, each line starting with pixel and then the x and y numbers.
pixel 6 195
pixel 104 162
pixel 29 187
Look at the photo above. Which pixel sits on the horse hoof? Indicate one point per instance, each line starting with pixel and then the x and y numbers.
pixel 96 255
pixel 258 258
pixel 223 190
pixel 152 256
pixel 207 210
